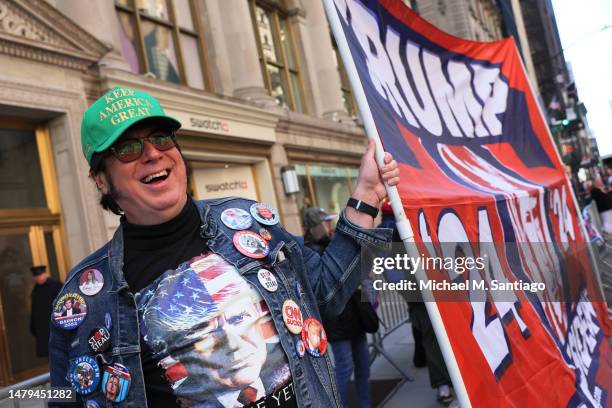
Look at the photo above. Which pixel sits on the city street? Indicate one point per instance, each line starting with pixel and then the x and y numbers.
pixel 417 393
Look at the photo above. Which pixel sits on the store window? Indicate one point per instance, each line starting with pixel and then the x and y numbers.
pixel 327 187
pixel 345 84
pixel 164 38
pixel 277 54
pixel 30 234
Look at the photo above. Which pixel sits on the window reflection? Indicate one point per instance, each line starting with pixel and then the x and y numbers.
pixel 277 85
pixel 161 55
pixel 153 8
pixel 265 34
pixel 286 43
pixel 128 41
pixel 277 54
pixel 327 187
pixel 154 36
pixel 183 14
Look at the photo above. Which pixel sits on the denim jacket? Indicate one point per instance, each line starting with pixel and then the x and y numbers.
pixel 328 281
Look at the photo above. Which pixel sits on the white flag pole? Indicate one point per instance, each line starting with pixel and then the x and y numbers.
pixel 403 224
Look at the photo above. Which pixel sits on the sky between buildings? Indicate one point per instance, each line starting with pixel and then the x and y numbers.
pixel 590 53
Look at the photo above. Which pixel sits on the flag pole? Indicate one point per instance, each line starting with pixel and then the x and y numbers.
pixel 403 224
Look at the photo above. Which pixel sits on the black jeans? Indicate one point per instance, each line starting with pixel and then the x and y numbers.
pixel 438 374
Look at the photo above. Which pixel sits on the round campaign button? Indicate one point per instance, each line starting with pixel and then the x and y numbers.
pixel 99 339
pixel 108 321
pixel 314 337
pixel 91 404
pixel 292 316
pixel 84 374
pixel 250 244
pixel 264 214
pixel 69 311
pixel 265 234
pixel 300 348
pixel 91 282
pixel 236 218
pixel 116 382
pixel 267 280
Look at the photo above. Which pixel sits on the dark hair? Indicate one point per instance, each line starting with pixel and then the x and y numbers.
pixel 98 165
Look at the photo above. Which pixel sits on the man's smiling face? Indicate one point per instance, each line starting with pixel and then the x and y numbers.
pixel 151 189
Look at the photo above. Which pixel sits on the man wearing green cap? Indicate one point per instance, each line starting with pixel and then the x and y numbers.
pixel 173 272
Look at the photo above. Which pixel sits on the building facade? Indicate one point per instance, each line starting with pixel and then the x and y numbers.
pixel 481 20
pixel 559 98
pixel 256 85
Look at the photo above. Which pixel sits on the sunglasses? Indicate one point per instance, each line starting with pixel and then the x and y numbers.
pixel 131 149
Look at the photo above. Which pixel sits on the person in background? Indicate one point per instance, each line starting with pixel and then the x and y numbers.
pixel 426 348
pixel 603 201
pixel 609 177
pixel 43 293
pixel 319 229
pixel 344 332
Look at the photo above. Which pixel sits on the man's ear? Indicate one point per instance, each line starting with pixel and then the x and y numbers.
pixel 100 180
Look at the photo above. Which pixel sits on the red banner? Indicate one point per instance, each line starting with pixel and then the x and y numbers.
pixel 478 166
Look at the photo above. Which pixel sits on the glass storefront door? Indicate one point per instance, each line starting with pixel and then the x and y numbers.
pixel 19 247
pixel 30 234
pixel 327 187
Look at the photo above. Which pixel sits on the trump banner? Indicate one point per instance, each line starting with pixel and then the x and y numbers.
pixel 526 324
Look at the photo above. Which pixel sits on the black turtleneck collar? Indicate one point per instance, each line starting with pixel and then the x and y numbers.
pixel 152 237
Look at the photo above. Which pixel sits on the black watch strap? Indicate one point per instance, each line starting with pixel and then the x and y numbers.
pixel 362 207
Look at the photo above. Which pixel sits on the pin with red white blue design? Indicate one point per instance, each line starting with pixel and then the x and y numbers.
pixel 264 214
pixel 69 311
pixel 251 244
pixel 116 382
pixel 84 375
pixel 314 337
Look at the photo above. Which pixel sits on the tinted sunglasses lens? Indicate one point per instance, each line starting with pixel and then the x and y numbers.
pixel 162 142
pixel 129 150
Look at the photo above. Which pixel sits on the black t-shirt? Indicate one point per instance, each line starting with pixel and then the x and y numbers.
pixel 149 250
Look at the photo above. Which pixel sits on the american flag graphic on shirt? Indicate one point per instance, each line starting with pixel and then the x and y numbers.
pixel 212 333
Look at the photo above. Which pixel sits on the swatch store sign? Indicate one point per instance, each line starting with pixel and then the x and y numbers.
pixel 227 186
pixel 222 182
pixel 211 125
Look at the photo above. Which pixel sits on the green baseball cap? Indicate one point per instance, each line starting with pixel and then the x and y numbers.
pixel 107 118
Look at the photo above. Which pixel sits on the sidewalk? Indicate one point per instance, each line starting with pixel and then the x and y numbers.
pixel 418 393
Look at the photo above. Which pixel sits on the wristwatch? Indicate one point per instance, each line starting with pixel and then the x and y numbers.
pixel 362 207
